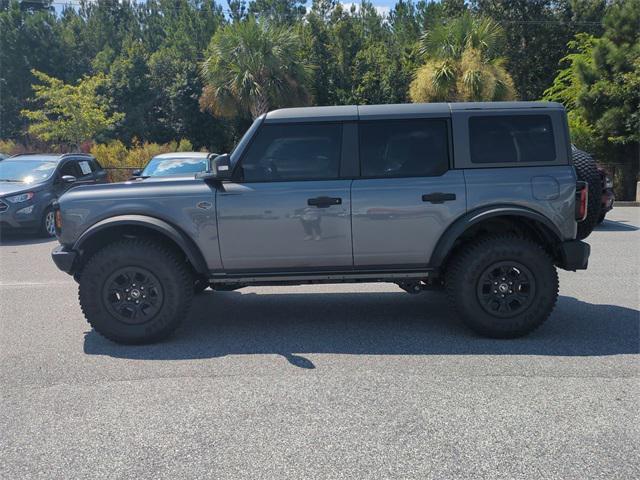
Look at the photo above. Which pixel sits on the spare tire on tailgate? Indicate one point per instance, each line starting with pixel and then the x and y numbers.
pixel 587 171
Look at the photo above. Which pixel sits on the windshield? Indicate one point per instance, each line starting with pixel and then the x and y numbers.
pixel 161 167
pixel 25 171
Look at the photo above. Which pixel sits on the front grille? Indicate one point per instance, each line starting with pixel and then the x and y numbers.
pixel 3 206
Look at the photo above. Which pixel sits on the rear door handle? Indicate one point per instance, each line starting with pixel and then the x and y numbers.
pixel 438 197
pixel 324 202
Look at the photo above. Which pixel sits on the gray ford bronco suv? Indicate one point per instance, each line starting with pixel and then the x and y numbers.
pixel 479 199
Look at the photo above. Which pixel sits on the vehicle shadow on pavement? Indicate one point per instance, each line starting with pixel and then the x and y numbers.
pixel 15 238
pixel 615 226
pixel 370 324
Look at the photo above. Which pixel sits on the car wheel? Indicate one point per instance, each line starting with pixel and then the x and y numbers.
pixel 587 171
pixel 48 223
pixel 601 218
pixel 135 291
pixel 502 286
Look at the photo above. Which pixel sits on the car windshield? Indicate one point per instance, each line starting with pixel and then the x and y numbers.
pixel 25 171
pixel 161 167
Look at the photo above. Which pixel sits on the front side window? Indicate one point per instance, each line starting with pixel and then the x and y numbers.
pixel 511 139
pixel 293 152
pixel 407 148
pixel 70 168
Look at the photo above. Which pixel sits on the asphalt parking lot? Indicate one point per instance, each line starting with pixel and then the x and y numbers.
pixel 336 381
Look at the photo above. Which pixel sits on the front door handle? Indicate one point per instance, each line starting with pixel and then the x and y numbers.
pixel 438 197
pixel 324 202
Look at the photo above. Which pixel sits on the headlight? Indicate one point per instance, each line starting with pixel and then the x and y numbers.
pixel 608 182
pixel 23 197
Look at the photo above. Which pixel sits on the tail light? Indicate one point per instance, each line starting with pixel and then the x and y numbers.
pixel 582 200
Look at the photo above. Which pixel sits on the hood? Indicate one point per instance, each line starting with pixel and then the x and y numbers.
pixel 133 189
pixel 13 188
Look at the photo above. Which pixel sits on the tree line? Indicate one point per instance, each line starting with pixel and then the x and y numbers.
pixel 165 70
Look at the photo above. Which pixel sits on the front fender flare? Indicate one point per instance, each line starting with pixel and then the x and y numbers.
pixel 457 228
pixel 181 239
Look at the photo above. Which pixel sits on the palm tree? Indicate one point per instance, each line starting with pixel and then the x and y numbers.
pixel 462 63
pixel 252 67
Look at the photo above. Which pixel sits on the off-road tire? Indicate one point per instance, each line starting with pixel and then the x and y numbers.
pixel 587 171
pixel 170 271
pixel 465 273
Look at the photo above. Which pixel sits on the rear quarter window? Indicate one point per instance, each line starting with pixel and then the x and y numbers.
pixel 511 139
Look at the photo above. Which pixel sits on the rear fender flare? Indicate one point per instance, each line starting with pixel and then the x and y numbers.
pixel 462 224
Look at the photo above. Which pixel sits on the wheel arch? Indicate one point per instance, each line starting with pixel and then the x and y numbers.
pixel 104 231
pixel 496 218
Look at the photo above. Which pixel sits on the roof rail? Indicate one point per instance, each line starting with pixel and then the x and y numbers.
pixel 23 153
pixel 45 153
pixel 76 154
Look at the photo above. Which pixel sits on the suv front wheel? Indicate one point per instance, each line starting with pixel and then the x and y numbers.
pixel 135 291
pixel 502 286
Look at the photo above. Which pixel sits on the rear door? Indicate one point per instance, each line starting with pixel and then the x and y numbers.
pixel 289 207
pixel 407 194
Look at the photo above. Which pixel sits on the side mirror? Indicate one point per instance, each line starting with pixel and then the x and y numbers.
pixel 68 179
pixel 219 168
pixel 137 172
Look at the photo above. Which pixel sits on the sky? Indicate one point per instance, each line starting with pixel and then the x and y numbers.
pixel 382 6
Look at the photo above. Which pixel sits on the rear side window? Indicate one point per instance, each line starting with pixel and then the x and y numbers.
pixel 95 166
pixel 406 148
pixel 511 139
pixel 294 152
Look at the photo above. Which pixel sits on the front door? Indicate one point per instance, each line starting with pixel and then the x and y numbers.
pixel 288 208
pixel 407 196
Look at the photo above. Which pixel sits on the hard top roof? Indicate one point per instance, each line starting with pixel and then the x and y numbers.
pixel 403 110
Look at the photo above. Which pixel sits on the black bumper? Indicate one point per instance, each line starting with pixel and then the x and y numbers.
pixel 64 258
pixel 574 255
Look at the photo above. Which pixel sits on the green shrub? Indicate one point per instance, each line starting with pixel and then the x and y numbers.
pixel 120 161
pixel 8 147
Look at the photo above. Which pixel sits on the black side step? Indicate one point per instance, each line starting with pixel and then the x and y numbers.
pixel 294 278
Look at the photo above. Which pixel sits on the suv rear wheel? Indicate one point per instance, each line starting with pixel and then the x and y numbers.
pixel 502 286
pixel 135 291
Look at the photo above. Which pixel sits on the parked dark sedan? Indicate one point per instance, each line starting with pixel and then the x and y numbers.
pixel 30 183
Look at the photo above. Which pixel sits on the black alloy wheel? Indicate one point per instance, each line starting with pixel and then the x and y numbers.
pixel 506 289
pixel 133 295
